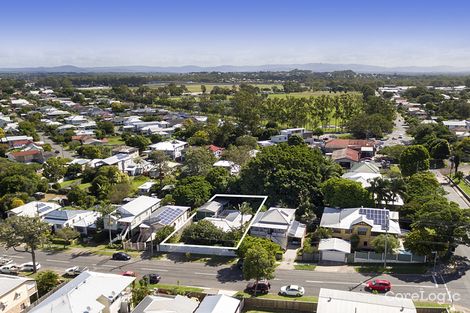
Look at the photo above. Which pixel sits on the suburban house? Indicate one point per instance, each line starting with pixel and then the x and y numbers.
pixel 230 166
pixel 90 292
pixel 366 147
pixel 16 141
pixel 173 148
pixel 229 220
pixel 34 208
pixel 28 156
pixel 166 304
pixel 454 125
pixel 334 249
pixel 4 120
pixel 128 217
pixel 120 160
pixel 210 209
pixel 363 172
pixel 145 188
pixel 130 151
pixel 333 301
pixel 279 225
pixel 82 221
pixel 219 304
pixel 16 293
pixel 168 215
pixel 285 134
pixel 366 223
pixel 346 157
pixel 217 151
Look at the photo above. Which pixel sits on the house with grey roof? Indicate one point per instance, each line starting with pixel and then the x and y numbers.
pixel 219 304
pixel 82 221
pixel 365 223
pixel 210 209
pixel 279 225
pixel 34 208
pixel 168 215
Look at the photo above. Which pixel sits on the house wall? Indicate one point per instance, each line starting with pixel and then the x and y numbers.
pixel 364 239
pixel 18 299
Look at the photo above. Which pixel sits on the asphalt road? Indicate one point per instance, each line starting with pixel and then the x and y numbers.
pixel 228 277
pixel 398 135
pixel 55 147
pixel 453 194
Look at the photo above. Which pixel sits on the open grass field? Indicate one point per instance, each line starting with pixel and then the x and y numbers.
pixel 307 94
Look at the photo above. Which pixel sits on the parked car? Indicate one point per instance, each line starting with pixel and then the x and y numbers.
pixel 75 270
pixel 10 269
pixel 153 278
pixel 380 285
pixel 292 290
pixel 121 256
pixel 262 286
pixel 5 260
pixel 29 266
pixel 129 273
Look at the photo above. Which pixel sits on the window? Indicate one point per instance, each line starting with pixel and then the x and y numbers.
pixel 365 243
pixel 336 231
pixel 348 231
pixel 362 231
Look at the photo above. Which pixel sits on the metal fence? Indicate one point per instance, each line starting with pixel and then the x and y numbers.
pixel 372 257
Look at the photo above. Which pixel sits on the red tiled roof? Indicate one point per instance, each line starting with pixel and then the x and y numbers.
pixel 24 153
pixel 20 142
pixel 346 153
pixel 345 143
pixel 215 148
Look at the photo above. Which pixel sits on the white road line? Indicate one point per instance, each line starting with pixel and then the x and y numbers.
pixel 208 274
pixel 16 256
pixel 435 281
pixel 106 265
pixel 154 269
pixel 451 299
pixel 57 261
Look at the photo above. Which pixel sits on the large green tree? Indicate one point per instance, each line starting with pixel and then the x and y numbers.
pixel 198 161
pixel 192 191
pixel 258 264
pixel 414 159
pixel 344 193
pixel 55 168
pixel 22 230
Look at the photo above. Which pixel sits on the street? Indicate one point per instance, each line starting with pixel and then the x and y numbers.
pixel 228 277
pixel 398 135
pixel 55 147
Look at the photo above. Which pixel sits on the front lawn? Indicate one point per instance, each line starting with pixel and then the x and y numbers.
pixel 305 267
pixel 428 304
pixel 176 289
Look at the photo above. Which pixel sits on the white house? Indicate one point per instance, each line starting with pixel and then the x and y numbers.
pixel 229 220
pixel 334 249
pixel 453 124
pixel 34 208
pixel 219 304
pixel 76 120
pixel 230 166
pixel 4 120
pixel 279 225
pixel 173 148
pixel 339 301
pixel 90 292
pixel 16 293
pixel 128 217
pixel 166 304
pixel 81 220
pixel 168 215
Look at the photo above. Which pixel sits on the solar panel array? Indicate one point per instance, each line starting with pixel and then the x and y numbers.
pixel 380 217
pixel 42 207
pixel 169 215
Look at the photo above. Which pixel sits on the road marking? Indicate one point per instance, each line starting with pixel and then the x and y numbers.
pixel 435 281
pixel 154 269
pixel 451 299
pixel 106 265
pixel 16 256
pixel 209 274
pixel 359 284
pixel 58 261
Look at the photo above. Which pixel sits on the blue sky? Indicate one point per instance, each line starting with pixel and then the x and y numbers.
pixel 207 33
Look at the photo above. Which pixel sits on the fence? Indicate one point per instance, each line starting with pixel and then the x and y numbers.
pixel 196 249
pixel 139 246
pixel 372 257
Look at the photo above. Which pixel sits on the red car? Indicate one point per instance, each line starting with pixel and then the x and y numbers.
pixel 381 285
pixel 129 273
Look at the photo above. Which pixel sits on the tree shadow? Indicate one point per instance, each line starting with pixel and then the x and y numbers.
pixel 229 274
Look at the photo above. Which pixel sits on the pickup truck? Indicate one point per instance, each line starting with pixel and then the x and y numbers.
pixel 75 271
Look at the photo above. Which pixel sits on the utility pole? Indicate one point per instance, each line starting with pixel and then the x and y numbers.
pixel 386 240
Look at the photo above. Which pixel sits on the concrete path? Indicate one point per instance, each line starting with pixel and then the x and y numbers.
pixel 453 194
pixel 288 259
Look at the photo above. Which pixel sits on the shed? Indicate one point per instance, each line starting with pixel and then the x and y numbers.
pixel 334 249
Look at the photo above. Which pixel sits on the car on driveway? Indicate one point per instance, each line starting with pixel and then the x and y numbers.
pixel 121 256
pixel 10 269
pixel 75 270
pixel 261 287
pixel 29 266
pixel 153 278
pixel 292 290
pixel 380 285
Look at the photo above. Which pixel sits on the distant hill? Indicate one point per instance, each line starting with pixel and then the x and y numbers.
pixel 315 67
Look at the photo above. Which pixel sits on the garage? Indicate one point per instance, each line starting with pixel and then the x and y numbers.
pixel 334 249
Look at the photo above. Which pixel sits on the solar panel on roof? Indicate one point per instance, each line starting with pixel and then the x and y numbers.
pixel 380 217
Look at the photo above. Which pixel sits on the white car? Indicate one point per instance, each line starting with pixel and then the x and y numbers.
pixel 75 271
pixel 292 290
pixel 29 267
pixel 10 269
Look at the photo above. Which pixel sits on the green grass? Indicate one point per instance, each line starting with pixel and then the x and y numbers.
pixel 69 183
pixel 464 187
pixel 139 180
pixel 313 299
pixel 428 304
pixel 305 267
pixel 176 289
pixel 115 141
pixel 84 186
pixel 307 94
pixel 392 269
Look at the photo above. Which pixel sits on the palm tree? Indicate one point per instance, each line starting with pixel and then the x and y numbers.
pixel 244 208
pixel 380 190
pixel 397 188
